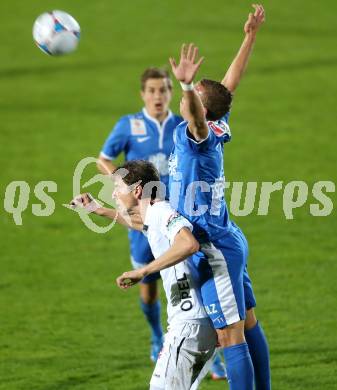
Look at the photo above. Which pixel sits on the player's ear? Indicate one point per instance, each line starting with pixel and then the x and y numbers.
pixel 138 192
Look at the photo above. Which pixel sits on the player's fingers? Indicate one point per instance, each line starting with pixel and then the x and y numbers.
pixel 190 51
pixel 201 60
pixel 183 51
pixel 194 54
pixel 262 14
pixel 85 199
pixel 173 63
pixel 122 282
pixel 258 11
pixel 261 10
pixel 76 201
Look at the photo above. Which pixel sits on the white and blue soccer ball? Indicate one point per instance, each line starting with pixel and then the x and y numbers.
pixel 56 33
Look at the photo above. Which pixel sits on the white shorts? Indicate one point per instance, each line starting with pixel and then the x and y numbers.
pixel 187 348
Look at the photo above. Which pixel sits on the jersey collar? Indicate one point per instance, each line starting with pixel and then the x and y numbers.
pixel 154 120
pixel 160 127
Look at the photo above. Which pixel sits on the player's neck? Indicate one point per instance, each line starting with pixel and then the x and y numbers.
pixel 144 204
pixel 158 117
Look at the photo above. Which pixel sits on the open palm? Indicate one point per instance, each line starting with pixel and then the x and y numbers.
pixel 188 65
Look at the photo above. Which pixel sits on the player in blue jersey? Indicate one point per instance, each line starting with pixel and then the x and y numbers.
pixel 196 191
pixel 146 135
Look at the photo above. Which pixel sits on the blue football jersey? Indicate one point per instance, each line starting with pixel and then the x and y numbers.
pixel 142 137
pixel 197 179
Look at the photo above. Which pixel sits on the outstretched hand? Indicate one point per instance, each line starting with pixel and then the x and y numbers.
pixel 188 65
pixel 255 20
pixel 85 201
pixel 129 279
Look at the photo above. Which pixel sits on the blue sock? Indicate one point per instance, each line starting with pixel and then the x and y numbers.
pixel 259 352
pixel 152 314
pixel 240 371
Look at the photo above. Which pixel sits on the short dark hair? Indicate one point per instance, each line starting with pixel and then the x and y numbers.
pixel 155 73
pixel 216 98
pixel 143 171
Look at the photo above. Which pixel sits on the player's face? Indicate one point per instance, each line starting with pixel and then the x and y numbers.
pixel 157 97
pixel 123 195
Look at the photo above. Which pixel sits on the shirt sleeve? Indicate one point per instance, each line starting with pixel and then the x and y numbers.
pixel 172 222
pixel 117 140
pixel 221 129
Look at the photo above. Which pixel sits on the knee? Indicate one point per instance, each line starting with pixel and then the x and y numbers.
pixel 231 335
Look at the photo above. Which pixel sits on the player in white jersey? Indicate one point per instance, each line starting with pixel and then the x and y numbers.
pixel 145 135
pixel 191 339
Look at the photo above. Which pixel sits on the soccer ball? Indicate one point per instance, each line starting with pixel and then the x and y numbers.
pixel 56 33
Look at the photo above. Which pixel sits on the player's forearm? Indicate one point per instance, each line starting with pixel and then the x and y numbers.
pixel 181 249
pixel 238 66
pixel 105 166
pixel 133 222
pixel 168 259
pixel 195 115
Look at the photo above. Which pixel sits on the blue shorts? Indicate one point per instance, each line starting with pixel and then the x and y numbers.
pixel 141 253
pixel 225 286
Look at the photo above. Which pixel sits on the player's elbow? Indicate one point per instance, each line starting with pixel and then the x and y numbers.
pixel 191 246
pixel 103 165
pixel 99 164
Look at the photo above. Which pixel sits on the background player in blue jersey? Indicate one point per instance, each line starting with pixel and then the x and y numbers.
pixel 146 135
pixel 196 190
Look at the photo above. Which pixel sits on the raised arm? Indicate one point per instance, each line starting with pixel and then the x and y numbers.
pixel 237 68
pixel 184 245
pixel 193 110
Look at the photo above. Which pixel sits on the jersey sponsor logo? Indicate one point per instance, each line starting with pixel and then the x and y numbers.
pixel 220 128
pixel 142 139
pixel 138 127
pixel 184 292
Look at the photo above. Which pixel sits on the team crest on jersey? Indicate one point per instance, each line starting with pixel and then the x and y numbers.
pixel 220 128
pixel 175 217
pixel 138 127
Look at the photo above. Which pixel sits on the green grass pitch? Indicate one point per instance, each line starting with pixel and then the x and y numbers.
pixel 63 322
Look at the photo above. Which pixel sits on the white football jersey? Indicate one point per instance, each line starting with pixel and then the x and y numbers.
pixel 162 223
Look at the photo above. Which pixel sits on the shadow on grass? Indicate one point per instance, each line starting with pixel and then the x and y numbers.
pixel 70 382
pixel 51 69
